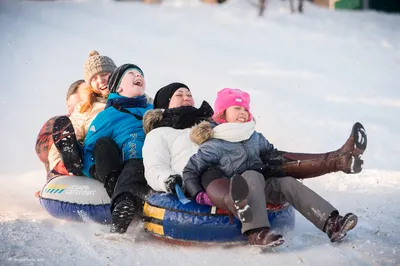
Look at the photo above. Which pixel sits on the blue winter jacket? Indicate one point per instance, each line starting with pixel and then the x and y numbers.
pixel 122 126
pixel 229 157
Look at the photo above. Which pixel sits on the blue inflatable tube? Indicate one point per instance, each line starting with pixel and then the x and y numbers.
pixel 165 216
pixel 76 198
pixel 80 198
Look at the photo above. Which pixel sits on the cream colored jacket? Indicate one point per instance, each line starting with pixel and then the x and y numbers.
pixel 81 123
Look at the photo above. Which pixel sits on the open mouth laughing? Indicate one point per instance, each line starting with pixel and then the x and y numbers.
pixel 138 82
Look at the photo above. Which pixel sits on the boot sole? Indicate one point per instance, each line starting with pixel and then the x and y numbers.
pixel 239 191
pixel 360 139
pixel 122 216
pixel 356 165
pixel 276 243
pixel 65 140
pixel 272 244
pixel 350 223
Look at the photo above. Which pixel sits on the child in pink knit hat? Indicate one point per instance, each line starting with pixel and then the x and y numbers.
pixel 232 99
pixel 242 155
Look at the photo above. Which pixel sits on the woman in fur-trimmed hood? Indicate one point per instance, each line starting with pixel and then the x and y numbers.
pixel 167 147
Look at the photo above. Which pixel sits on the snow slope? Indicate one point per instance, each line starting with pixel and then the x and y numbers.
pixel 310 77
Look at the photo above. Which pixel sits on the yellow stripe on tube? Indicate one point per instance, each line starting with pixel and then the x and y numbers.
pixel 153 212
pixel 155 228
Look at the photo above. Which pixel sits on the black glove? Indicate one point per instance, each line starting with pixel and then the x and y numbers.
pixel 171 181
pixel 268 170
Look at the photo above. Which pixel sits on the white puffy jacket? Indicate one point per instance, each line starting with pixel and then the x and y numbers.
pixel 166 152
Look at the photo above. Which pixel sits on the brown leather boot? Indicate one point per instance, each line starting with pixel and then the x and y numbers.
pixel 264 237
pixel 231 195
pixel 303 165
pixel 337 226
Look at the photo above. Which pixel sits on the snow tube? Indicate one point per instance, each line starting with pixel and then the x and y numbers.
pixel 80 198
pixel 77 198
pixel 166 217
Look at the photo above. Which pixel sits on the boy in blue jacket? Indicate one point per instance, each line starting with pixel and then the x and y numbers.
pixel 113 145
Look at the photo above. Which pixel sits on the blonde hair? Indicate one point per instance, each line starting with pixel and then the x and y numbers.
pixel 91 99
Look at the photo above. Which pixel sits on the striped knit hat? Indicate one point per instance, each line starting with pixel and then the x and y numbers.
pixel 115 78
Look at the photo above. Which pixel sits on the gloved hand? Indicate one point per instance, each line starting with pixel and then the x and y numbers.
pixel 268 170
pixel 203 199
pixel 171 181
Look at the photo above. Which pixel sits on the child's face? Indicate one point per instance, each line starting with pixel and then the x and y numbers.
pixel 72 101
pixel 83 92
pixel 181 97
pixel 99 83
pixel 132 84
pixel 236 114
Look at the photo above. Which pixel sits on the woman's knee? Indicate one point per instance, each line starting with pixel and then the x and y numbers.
pixel 254 178
pixel 283 182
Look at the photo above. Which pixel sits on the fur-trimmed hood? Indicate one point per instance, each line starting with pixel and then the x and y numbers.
pixel 149 99
pixel 151 118
pixel 201 132
pixel 232 132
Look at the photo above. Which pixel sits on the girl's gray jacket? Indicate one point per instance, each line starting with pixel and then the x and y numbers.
pixel 229 157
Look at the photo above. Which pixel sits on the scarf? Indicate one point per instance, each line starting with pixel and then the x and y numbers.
pixel 185 116
pixel 234 132
pixel 137 102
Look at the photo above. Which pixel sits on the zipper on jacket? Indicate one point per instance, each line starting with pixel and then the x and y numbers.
pixel 123 152
pixel 247 153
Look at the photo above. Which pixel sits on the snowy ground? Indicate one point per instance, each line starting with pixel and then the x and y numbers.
pixel 310 77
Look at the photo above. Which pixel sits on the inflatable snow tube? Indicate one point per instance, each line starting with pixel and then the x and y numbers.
pixel 77 198
pixel 166 217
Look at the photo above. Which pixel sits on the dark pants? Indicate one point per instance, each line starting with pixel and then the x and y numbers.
pixel 210 175
pixel 277 191
pixel 122 180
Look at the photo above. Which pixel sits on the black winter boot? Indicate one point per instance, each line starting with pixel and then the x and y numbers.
pixel 67 145
pixel 123 213
pixel 129 195
pixel 337 226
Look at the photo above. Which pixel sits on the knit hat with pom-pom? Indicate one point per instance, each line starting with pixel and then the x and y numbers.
pixel 96 64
